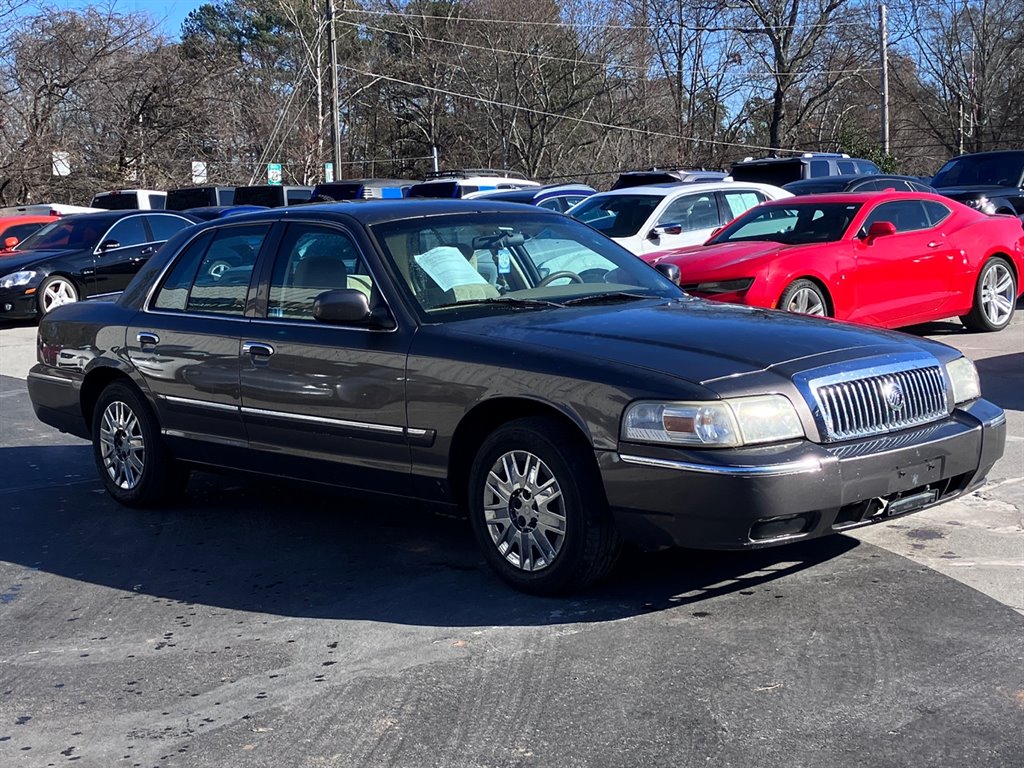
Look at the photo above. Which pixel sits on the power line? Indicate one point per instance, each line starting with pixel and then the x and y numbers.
pixel 767 74
pixel 584 25
pixel 581 120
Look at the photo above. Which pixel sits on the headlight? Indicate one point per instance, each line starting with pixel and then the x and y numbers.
pixel 983 204
pixel 964 378
pixel 16 279
pixel 713 423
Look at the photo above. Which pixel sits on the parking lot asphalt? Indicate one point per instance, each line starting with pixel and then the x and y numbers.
pixel 265 624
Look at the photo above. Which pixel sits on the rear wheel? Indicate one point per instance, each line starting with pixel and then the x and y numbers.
pixel 538 510
pixel 995 297
pixel 804 297
pixel 133 463
pixel 55 291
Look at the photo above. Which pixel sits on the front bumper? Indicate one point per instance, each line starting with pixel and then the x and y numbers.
pixel 15 304
pixel 757 497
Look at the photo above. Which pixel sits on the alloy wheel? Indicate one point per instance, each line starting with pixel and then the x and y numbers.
pixel 998 294
pixel 806 301
pixel 523 511
pixel 57 293
pixel 122 446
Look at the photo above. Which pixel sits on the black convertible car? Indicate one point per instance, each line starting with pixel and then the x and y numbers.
pixel 80 256
pixel 514 363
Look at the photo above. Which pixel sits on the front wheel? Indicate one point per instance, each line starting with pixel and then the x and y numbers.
pixel 133 463
pixel 55 291
pixel 538 509
pixel 804 297
pixel 994 297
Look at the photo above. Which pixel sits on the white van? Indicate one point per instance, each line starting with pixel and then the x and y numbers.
pixel 129 199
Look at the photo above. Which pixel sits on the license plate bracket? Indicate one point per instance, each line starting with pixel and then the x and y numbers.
pixel 909 476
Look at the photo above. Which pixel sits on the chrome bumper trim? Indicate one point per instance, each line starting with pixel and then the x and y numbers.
pixel 802 466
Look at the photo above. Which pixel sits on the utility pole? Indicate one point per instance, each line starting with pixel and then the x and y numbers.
pixel 332 44
pixel 883 34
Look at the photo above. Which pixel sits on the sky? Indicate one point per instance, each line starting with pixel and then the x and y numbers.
pixel 168 14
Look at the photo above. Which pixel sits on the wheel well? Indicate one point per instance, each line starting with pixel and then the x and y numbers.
pixel 95 382
pixel 830 304
pixel 481 421
pixel 1008 260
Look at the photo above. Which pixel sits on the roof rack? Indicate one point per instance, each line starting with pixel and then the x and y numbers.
pixel 465 173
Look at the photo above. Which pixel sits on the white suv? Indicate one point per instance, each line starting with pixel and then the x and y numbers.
pixel 662 216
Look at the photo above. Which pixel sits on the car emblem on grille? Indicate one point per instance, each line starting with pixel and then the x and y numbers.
pixel 894 397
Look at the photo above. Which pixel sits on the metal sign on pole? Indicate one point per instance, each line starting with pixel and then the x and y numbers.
pixel 199 174
pixel 274 173
pixel 328 172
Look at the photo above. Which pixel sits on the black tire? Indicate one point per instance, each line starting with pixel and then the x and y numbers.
pixel 982 318
pixel 154 477
pixel 53 283
pixel 804 288
pixel 586 546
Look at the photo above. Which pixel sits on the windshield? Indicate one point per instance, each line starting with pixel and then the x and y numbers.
pixel 616 215
pixel 71 233
pixel 1003 169
pixel 503 262
pixel 793 224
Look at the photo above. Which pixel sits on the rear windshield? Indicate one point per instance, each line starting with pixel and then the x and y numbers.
pixel 777 172
pixel 272 197
pixel 120 201
pixel 617 215
pixel 436 189
pixel 198 197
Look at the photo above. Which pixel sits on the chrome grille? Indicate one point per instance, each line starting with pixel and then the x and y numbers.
pixel 874 405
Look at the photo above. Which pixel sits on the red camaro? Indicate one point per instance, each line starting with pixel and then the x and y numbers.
pixel 14 229
pixel 884 258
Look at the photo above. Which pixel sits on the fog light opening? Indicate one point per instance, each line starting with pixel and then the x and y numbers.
pixel 781 527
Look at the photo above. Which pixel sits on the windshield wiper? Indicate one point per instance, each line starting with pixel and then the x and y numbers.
pixel 601 298
pixel 511 301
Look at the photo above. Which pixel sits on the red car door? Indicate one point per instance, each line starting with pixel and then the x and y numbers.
pixel 904 277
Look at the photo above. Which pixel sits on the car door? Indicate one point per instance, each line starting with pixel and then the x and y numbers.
pixel 186 341
pixel 324 400
pixel 119 255
pixel 690 219
pixel 906 275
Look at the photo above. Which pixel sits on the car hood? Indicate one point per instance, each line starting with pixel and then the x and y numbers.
pixel 977 190
pixel 14 261
pixel 700 258
pixel 691 338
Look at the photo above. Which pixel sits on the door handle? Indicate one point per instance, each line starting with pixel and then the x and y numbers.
pixel 934 244
pixel 147 251
pixel 147 337
pixel 257 349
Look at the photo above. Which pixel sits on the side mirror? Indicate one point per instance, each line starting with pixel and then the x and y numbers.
pixel 665 229
pixel 10 242
pixel 671 271
pixel 714 234
pixel 880 229
pixel 108 245
pixel 345 306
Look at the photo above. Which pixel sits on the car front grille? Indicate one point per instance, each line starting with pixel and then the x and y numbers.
pixel 873 405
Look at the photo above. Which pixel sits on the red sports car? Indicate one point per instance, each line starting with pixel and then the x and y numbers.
pixel 884 258
pixel 14 229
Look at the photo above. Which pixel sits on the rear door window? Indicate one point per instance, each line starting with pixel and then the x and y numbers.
pixel 128 232
pixel 222 280
pixel 741 201
pixel 820 168
pixel 165 227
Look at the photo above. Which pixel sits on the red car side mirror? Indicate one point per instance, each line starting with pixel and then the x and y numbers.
pixel 881 229
pixel 10 242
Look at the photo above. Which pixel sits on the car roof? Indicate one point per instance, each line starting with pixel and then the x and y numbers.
pixel 6 221
pixel 841 179
pixel 115 215
pixel 661 190
pixel 857 197
pixel 370 212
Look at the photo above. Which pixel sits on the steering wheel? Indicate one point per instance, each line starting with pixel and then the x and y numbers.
pixel 573 278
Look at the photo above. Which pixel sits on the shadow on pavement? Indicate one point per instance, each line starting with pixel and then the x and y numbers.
pixel 251 545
